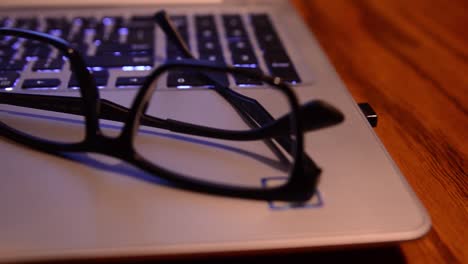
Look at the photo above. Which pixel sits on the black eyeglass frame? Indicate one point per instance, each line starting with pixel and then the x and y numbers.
pixel 299 187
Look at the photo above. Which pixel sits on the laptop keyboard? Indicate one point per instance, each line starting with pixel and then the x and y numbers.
pixel 128 44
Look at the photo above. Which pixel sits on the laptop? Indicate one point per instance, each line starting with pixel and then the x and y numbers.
pixel 71 205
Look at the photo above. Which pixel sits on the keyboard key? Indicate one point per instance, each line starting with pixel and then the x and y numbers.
pixel 180 23
pixel 41 83
pixel 8 79
pixel 281 66
pixel 3 60
pixel 239 43
pixel 119 61
pixel 236 33
pixel 58 26
pixel 40 51
pixel 234 27
pixel 124 49
pixel 244 58
pixel 6 52
pixel 7 42
pixel 90 25
pixel 287 74
pixel 115 21
pixel 143 19
pixel 77 37
pixel 209 46
pixel 267 37
pixel 232 21
pixel 244 80
pixel 115 35
pixel 100 78
pixel 179 79
pixel 174 54
pixel 87 22
pixel 274 53
pixel 140 35
pixel 14 65
pixel 206 33
pixel 48 65
pixel 214 57
pixel 194 79
pixel 130 81
pixel 27 23
pixel 205 22
pixel 113 25
pixel 57 22
pixel 269 42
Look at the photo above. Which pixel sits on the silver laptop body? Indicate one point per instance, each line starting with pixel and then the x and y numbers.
pixel 85 205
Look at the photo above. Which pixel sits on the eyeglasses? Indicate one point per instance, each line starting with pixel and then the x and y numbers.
pixel 209 135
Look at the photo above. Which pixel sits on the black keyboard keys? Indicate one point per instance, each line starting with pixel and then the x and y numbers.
pixel 123 82
pixel 122 43
pixel 140 35
pixel 6 52
pixel 129 44
pixel 207 38
pixel 27 23
pixel 274 53
pixel 41 83
pixel 8 79
pixel 119 61
pixel 243 80
pixel 188 79
pixel 12 65
pixel 242 52
pixel 141 21
pixel 119 49
pixel 58 26
pixel 100 77
pixel 244 59
pixel 39 51
pixel 178 78
pixel 281 66
pixel 239 44
pixel 48 64
pixel 172 51
pixel 113 25
pixel 209 48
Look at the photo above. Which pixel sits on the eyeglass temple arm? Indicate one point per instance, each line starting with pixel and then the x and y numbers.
pixel 244 105
pixel 319 115
pixel 175 38
pixel 172 33
pixel 250 110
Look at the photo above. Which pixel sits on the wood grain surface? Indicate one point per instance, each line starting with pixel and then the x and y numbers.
pixel 409 60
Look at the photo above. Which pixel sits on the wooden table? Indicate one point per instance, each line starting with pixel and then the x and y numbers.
pixel 409 60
